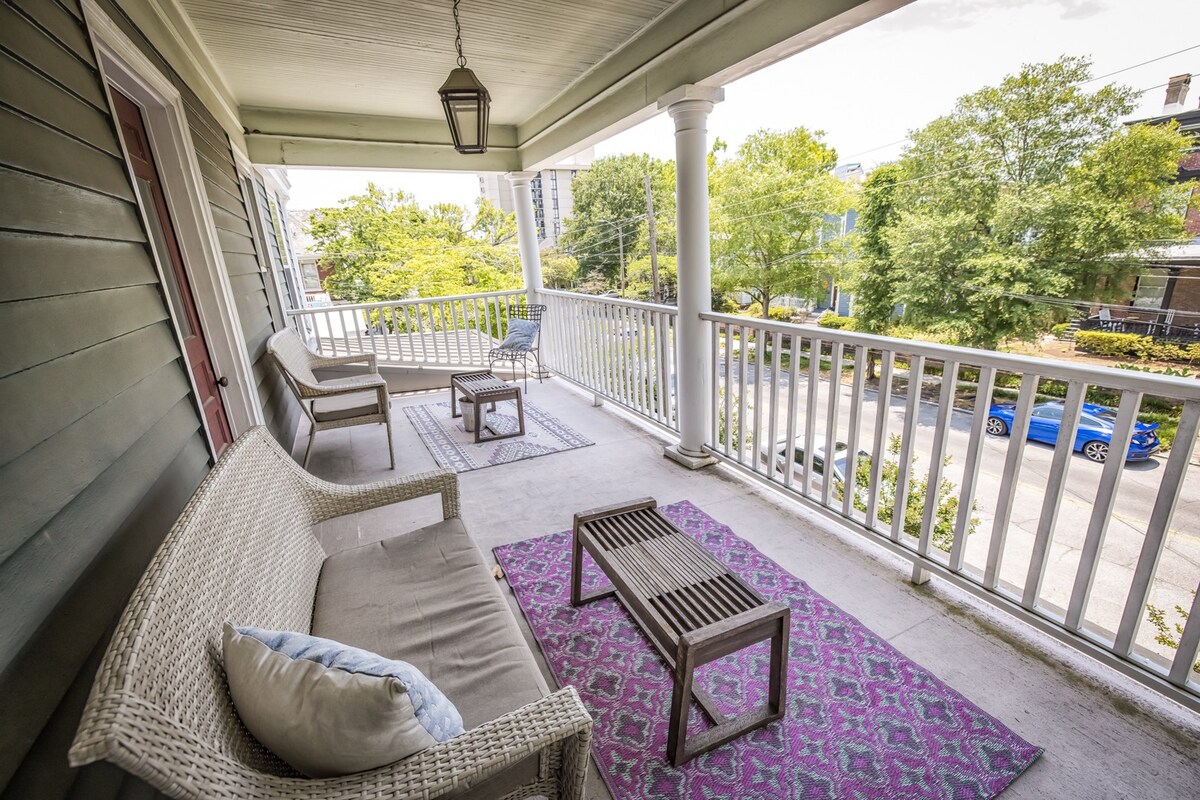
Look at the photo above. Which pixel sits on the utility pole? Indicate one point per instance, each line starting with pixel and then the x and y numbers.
pixel 621 249
pixel 655 293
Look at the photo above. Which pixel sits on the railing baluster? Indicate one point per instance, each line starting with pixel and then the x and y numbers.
pixel 741 416
pixel 850 484
pixel 1160 522
pixel 908 435
pixel 728 378
pixel 756 442
pixel 966 495
pixel 1055 484
pixel 715 394
pixel 649 377
pixel 945 416
pixel 1102 510
pixel 831 420
pixel 795 347
pixel 345 330
pixel 768 447
pixel 1008 483
pixel 883 410
pixel 358 329
pixel 1189 643
pixel 665 384
pixel 810 415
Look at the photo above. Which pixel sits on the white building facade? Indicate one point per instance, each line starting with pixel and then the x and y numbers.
pixel 553 200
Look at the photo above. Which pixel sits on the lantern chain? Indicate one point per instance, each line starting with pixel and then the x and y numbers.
pixel 462 60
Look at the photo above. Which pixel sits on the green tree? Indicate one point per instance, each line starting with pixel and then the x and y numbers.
pixel 639 282
pixel 1169 633
pixel 385 246
pixel 945 514
pixel 559 270
pixel 873 283
pixel 610 209
pixel 773 216
pixel 1031 188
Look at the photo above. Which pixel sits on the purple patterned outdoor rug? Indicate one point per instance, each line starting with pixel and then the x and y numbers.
pixel 863 721
pixel 451 446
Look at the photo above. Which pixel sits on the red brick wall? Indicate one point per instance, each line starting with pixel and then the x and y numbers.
pixel 1191 162
pixel 1186 296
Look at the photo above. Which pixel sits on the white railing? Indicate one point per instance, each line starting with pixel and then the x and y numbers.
pixel 621 350
pixel 449 331
pixel 1078 548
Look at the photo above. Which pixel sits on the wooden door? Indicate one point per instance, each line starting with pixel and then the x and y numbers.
pixel 175 280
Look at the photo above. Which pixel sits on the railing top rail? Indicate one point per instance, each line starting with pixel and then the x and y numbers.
pixel 298 312
pixel 1108 377
pixel 616 301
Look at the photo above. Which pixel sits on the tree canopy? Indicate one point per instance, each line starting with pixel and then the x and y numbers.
pixel 610 209
pixel 1028 189
pixel 384 246
pixel 775 216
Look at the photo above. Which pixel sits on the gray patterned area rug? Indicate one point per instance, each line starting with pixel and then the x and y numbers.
pixel 454 448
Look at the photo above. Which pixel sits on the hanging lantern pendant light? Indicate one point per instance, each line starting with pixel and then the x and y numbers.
pixel 466 102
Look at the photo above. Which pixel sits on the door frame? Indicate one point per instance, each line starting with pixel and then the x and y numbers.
pixel 123 64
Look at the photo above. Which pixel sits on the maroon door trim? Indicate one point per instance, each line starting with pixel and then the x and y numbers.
pixel 177 287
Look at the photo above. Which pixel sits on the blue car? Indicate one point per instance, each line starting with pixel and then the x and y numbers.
pixel 1096 425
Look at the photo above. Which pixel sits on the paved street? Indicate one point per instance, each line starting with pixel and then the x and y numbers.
pixel 1179 569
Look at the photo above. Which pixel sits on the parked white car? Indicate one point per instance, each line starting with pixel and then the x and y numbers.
pixel 841 459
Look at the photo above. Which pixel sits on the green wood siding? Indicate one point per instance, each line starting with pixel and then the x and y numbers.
pixel 102 444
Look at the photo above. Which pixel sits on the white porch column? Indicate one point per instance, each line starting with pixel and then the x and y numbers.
pixel 527 242
pixel 690 106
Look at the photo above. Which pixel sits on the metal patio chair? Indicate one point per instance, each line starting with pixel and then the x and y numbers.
pixel 507 351
pixel 325 402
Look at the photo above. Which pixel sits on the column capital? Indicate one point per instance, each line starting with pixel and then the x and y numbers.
pixel 692 92
pixel 518 178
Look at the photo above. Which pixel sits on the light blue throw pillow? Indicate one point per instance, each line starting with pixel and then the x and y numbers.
pixel 521 333
pixel 434 711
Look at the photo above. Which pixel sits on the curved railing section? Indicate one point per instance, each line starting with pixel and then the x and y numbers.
pixel 620 350
pixel 455 331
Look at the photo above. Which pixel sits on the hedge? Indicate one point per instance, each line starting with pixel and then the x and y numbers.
pixel 830 319
pixel 1130 345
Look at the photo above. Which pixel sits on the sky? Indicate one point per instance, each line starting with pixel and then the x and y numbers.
pixel 869 87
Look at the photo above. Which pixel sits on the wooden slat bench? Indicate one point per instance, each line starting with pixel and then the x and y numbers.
pixel 690 606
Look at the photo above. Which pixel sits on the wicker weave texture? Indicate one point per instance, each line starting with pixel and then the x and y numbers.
pixel 296 363
pixel 243 550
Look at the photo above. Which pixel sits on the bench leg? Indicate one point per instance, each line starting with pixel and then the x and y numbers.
pixel 681 701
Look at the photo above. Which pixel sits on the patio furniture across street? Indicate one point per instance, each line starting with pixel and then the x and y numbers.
pixel 482 388
pixel 691 608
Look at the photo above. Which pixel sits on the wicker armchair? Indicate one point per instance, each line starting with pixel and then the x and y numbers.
pixel 243 549
pixel 318 398
pixel 533 313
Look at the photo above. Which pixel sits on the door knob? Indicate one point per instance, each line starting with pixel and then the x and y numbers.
pixel 222 381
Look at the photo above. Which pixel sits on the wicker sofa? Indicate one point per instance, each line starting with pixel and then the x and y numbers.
pixel 243 550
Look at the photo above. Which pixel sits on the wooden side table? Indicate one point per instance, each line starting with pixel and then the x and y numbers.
pixel 690 606
pixel 482 388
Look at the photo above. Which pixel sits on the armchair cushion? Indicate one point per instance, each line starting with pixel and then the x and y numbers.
pixel 346 406
pixel 329 709
pixel 521 333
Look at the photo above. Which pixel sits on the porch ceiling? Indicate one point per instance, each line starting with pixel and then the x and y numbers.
pixel 353 83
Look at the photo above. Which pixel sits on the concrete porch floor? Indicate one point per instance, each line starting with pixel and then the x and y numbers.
pixel 1104 735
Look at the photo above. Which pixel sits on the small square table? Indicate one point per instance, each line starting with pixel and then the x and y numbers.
pixel 482 388
pixel 691 608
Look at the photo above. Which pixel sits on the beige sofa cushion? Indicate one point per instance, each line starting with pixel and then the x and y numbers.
pixel 428 597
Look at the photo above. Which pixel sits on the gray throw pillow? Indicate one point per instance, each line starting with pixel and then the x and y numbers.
pixel 330 709
pixel 521 333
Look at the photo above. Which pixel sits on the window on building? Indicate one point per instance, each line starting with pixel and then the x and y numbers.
pixel 1151 289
